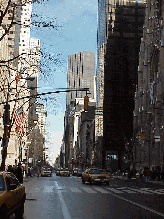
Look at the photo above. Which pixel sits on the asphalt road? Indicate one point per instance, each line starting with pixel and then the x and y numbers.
pixel 67 198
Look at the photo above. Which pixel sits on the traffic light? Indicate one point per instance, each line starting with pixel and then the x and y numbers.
pixel 86 100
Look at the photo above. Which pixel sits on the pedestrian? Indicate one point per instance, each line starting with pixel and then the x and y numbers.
pixel 10 169
pixel 29 171
pixel 38 172
pixel 147 175
pixel 19 173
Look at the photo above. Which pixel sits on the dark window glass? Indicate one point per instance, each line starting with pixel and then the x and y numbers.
pixel 14 179
pixel 8 181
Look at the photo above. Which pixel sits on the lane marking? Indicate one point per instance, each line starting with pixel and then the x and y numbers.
pixel 61 188
pixel 153 191
pixel 122 188
pixel 115 190
pixel 88 190
pixel 141 191
pixel 129 191
pixel 101 190
pixel 65 211
pixel 75 190
pixel 138 205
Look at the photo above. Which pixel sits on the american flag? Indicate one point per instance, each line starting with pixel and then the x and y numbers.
pixel 17 118
pixel 18 77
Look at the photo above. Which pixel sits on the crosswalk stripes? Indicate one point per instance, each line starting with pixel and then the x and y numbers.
pixel 88 190
pixel 158 192
pixel 104 190
pixel 115 190
pixel 140 191
pixel 74 189
pixel 101 190
pixel 129 191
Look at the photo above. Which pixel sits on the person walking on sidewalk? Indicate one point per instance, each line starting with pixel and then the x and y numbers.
pixel 147 175
pixel 19 173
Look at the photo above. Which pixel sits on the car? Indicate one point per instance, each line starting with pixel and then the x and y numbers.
pixel 79 172
pixel 12 196
pixel 46 172
pixel 64 172
pixel 57 172
pixel 74 172
pixel 95 175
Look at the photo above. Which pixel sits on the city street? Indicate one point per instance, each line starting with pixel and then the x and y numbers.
pixel 67 198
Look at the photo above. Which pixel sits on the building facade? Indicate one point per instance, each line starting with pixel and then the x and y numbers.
pixel 81 68
pixel 149 109
pixel 118 54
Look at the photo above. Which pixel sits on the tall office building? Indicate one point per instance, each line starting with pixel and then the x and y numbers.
pixel 81 68
pixel 80 74
pixel 120 26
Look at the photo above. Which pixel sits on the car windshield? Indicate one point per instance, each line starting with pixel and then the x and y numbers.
pixel 96 171
pixel 80 171
pixel 2 186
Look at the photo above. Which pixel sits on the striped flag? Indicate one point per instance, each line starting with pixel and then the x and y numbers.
pixel 18 77
pixel 18 118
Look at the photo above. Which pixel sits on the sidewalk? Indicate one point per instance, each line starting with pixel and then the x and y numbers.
pixel 139 179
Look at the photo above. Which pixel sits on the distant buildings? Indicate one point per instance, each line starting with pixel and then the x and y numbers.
pixel 80 75
pixel 125 128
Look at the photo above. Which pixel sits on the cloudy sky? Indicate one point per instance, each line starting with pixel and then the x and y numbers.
pixel 75 30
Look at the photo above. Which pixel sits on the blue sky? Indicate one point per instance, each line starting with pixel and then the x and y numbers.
pixel 77 31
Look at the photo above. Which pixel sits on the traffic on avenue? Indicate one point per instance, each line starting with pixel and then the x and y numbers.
pixel 62 196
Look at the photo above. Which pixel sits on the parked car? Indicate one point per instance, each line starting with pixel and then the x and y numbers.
pixel 46 172
pixel 94 175
pixel 64 172
pixel 12 196
pixel 79 172
pixel 74 172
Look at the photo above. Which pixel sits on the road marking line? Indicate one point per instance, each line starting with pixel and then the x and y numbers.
pixel 75 190
pixel 88 190
pixel 61 188
pixel 138 205
pixel 153 191
pixel 101 190
pixel 114 190
pixel 123 188
pixel 141 191
pixel 129 191
pixel 65 211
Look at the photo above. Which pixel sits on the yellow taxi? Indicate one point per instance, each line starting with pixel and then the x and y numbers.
pixel 95 175
pixel 46 172
pixel 64 172
pixel 12 196
pixel 57 172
